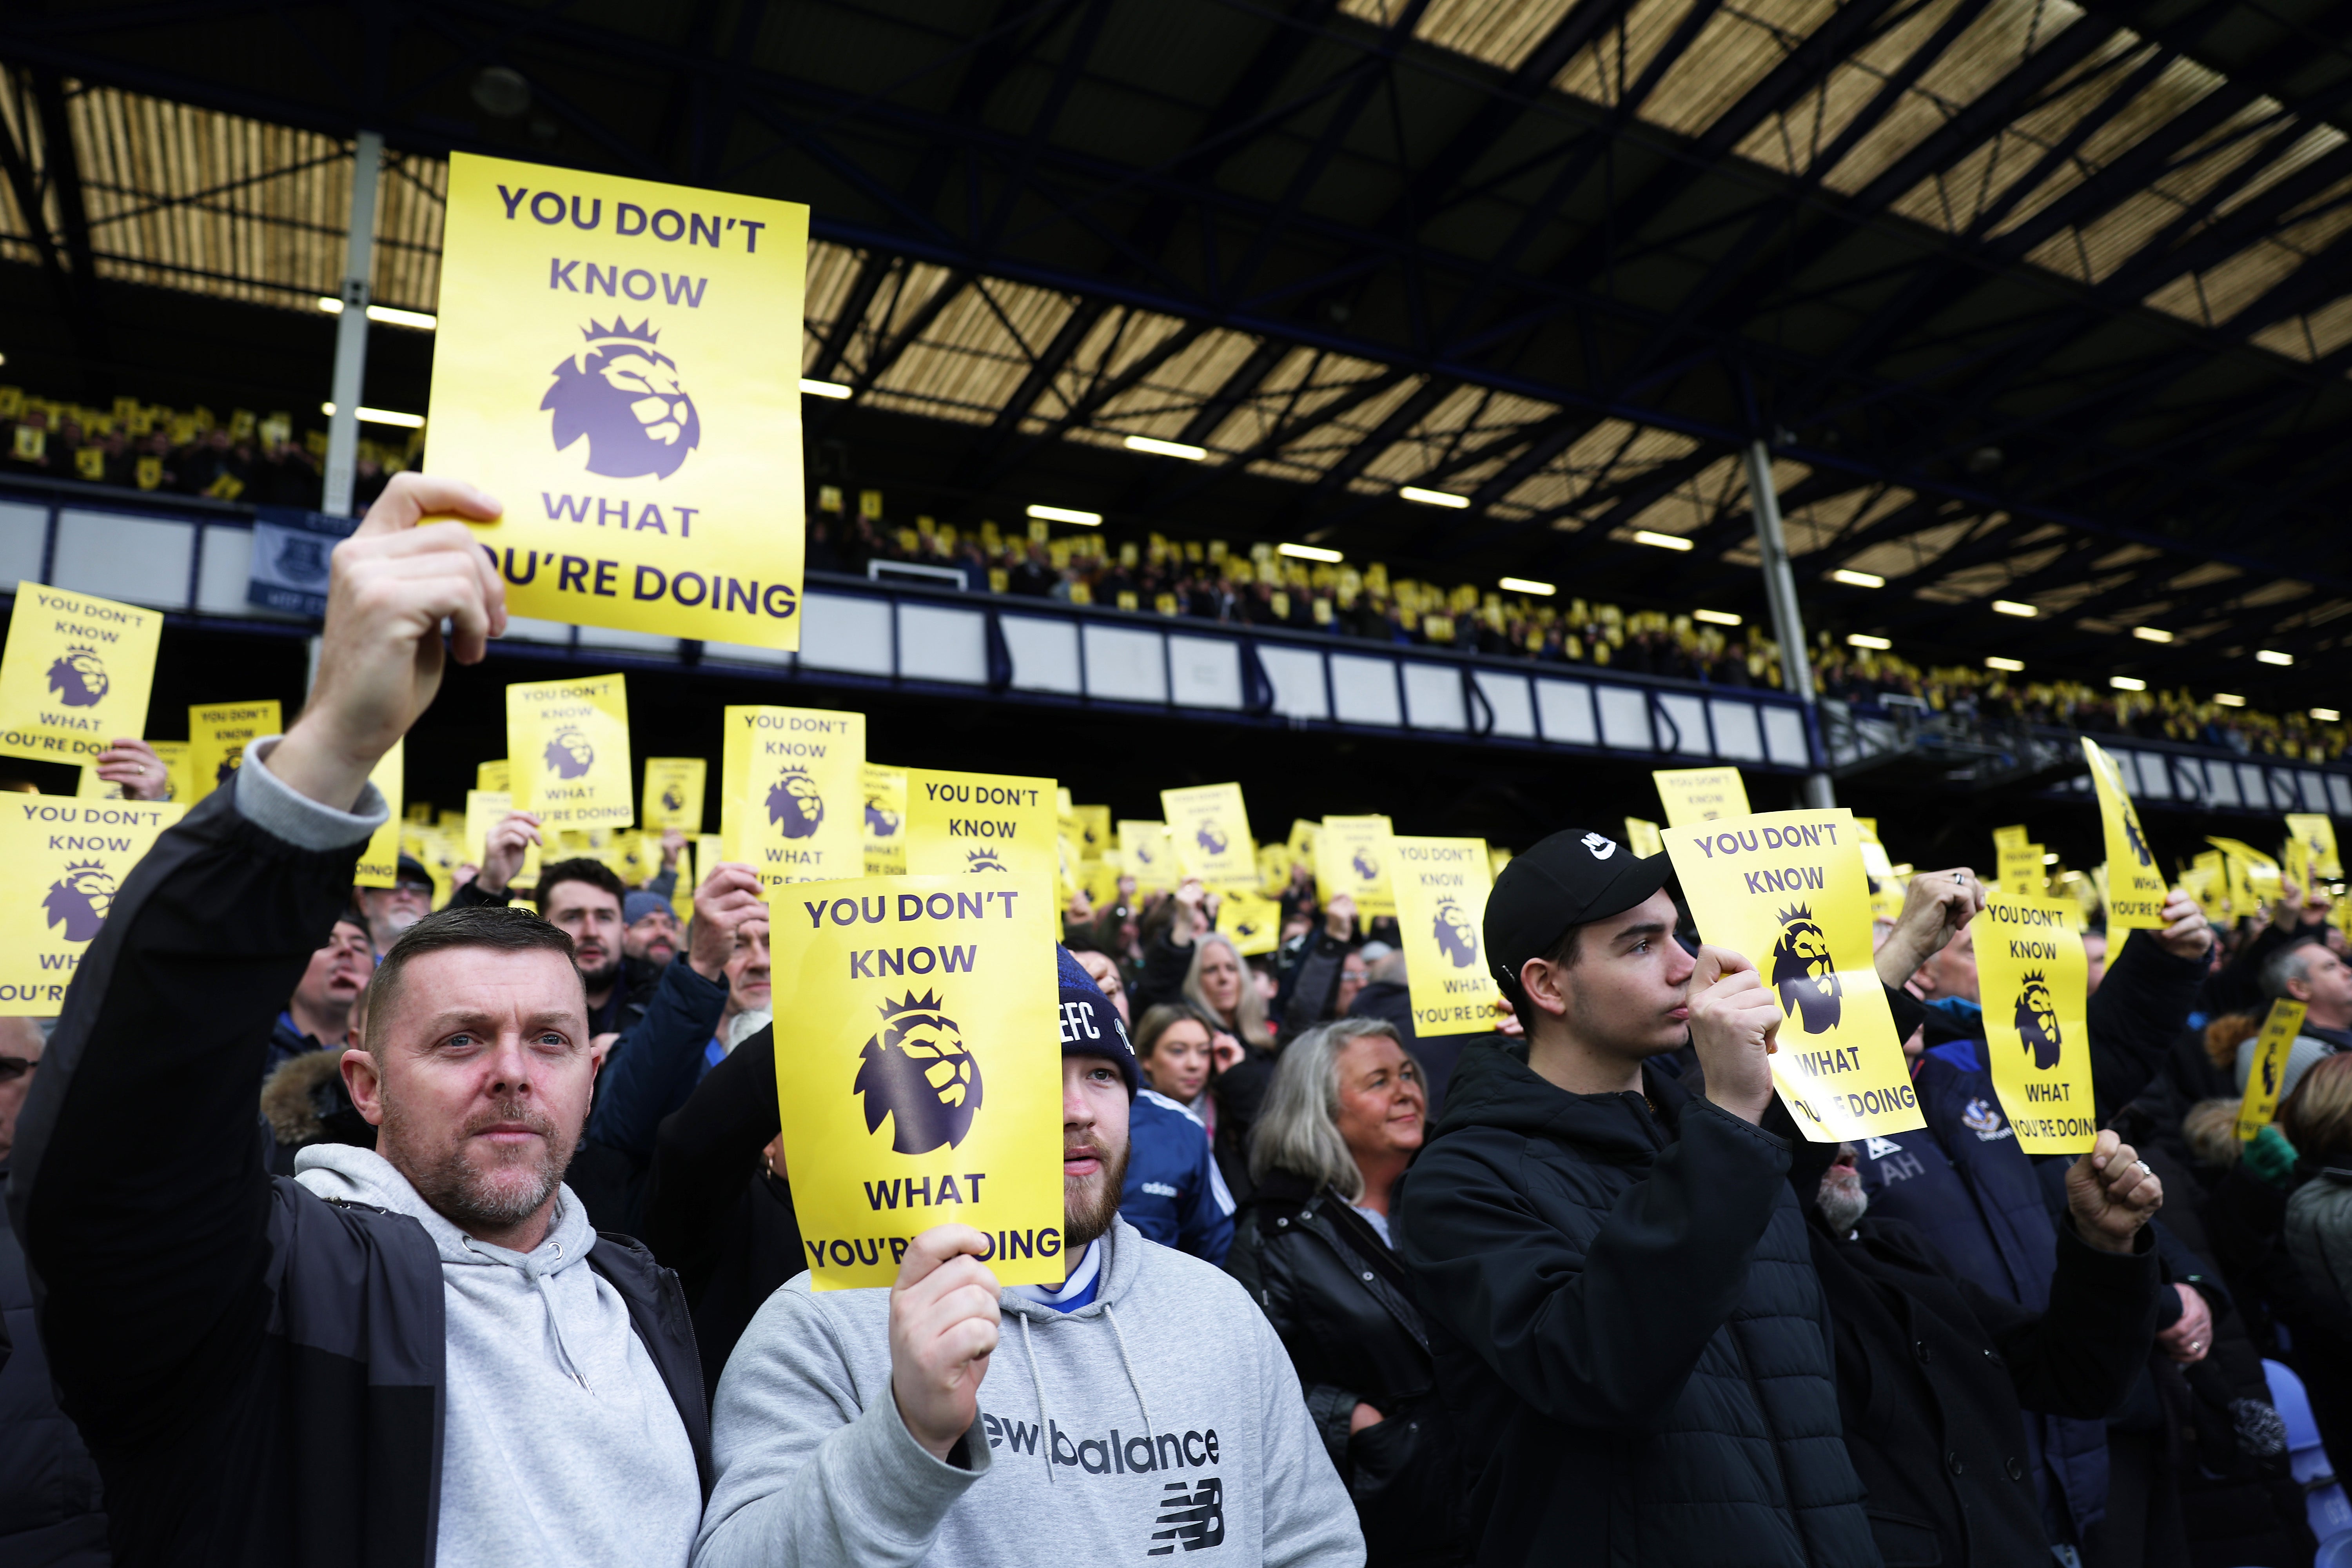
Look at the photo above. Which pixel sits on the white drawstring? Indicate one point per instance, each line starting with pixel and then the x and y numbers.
pixel 530 1270
pixel 1045 1443
pixel 1132 1382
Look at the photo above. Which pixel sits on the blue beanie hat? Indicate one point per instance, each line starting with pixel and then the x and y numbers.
pixel 636 906
pixel 1091 1025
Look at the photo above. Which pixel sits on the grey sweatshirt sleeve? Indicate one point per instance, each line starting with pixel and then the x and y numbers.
pixel 815 1468
pixel 1311 1520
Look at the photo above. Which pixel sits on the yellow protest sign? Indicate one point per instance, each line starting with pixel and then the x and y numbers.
pixel 1254 923
pixel 76 675
pixel 2316 833
pixel 2207 882
pixel 494 775
pixel 173 755
pixel 674 793
pixel 607 362
pixel 2034 977
pixel 1210 828
pixel 2020 870
pixel 885 828
pixel 2136 889
pixel 1145 854
pixel 1301 842
pixel 924 1079
pixel 1786 889
pixel 1642 837
pixel 380 860
pixel 219 734
pixel 789 791
pixel 2253 877
pixel 67 857
pixel 485 809
pixel 1700 795
pixel 568 751
pixel 1095 833
pixel 961 822
pixel 1351 857
pixel 2009 839
pixel 1441 892
pixel 2280 1028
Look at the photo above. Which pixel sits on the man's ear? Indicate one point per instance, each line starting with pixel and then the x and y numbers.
pixel 1542 981
pixel 365 1081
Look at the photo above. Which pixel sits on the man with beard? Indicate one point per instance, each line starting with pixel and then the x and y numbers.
pixel 1147 1406
pixel 582 898
pixel 420 1353
pixel 391 910
pixel 648 928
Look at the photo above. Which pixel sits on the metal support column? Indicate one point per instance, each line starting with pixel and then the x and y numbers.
pixel 1780 592
pixel 351 328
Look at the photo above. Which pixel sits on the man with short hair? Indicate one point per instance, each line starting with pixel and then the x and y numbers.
pixel 1147 1406
pixel 318 1013
pixel 412 1354
pixel 2306 970
pixel 391 910
pixel 582 898
pixel 1620 1298
pixel 648 928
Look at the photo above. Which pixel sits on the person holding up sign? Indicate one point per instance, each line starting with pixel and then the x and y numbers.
pixel 2305 970
pixel 1606 1259
pixel 428 1332
pixel 1146 1406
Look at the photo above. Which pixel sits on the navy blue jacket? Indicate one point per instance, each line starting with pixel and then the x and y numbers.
pixel 1173 1192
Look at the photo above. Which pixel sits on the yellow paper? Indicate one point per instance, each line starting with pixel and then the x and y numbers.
pixel 674 793
pixel 1301 842
pixel 1146 855
pixel 76 675
pixel 607 364
pixel 485 809
pixel 924 1084
pixel 1786 890
pixel 173 755
pixel 2136 889
pixel 217 735
pixel 380 861
pixel 1642 837
pixel 568 749
pixel 1273 869
pixel 2280 1028
pixel 2010 837
pixel 885 828
pixel 67 857
pixel 1351 857
pixel 1210 828
pixel 2318 834
pixel 792 786
pixel 1095 833
pixel 2032 975
pixel 1254 923
pixel 2020 870
pixel 1700 795
pixel 2253 877
pixel 495 776
pixel 1441 892
pixel 958 824
pixel 2206 882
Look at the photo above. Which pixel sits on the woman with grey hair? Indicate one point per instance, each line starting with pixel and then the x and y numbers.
pixel 1342 1119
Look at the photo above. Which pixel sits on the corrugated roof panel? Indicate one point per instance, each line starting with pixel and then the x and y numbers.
pixel 2176 89
pixel 1603 68
pixel 1165 400
pixel 1501 32
pixel 1736 49
pixel 1302 382
pixel 1915 551
pixel 1467 416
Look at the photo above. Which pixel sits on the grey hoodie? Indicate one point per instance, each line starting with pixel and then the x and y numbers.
pixel 563 1444
pixel 1163 1416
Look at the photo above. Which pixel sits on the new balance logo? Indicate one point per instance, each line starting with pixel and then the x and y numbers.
pixel 1193 1517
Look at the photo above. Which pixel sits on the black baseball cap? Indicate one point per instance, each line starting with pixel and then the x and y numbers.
pixel 1571 878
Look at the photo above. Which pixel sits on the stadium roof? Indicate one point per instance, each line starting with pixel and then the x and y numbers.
pixel 2036 302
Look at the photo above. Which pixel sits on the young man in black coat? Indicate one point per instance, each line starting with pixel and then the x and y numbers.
pixel 1621 1299
pixel 413 1353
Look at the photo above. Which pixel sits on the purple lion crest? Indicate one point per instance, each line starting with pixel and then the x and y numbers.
pixel 79 899
pixel 983 860
pixel 1207 837
pixel 79 677
pixel 623 394
pixel 1455 933
pixel 794 804
pixel 569 753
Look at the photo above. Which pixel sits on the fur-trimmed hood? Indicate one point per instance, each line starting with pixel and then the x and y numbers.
pixel 290 1096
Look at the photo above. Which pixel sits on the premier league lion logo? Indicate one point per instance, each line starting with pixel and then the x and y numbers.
pixel 1455 935
pixel 1207 837
pixel 880 820
pixel 1804 973
pixel 623 394
pixel 1366 866
pixel 2037 1020
pixel 794 804
pixel 569 753
pixel 674 799
pixel 982 860
pixel 916 1071
pixel 78 679
pixel 79 899
pixel 2135 838
pixel 228 766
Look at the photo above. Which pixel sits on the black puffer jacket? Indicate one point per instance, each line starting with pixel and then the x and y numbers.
pixel 1342 1303
pixel 1627 1325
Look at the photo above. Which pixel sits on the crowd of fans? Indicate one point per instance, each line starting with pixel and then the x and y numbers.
pixel 255 459
pixel 514 1271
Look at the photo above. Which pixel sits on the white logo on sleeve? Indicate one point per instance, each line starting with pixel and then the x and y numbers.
pixel 1602 846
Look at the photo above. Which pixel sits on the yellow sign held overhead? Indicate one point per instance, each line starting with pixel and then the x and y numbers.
pixel 990 824
pixel 2034 977
pixel 1254 923
pixel 1441 888
pixel 1210 828
pixel 1642 837
pixel 2135 889
pixel 68 857
pixel 1145 854
pixel 1095 835
pixel 2008 838
pixel 485 809
pixel 606 365
pixel 76 675
pixel 219 734
pixel 2316 832
pixel 790 797
pixel 173 755
pixel 1786 890
pixel 496 775
pixel 674 793
pixel 2020 871
pixel 1351 857
pixel 924 1083
pixel 2280 1028
pixel 380 861
pixel 568 749
pixel 1700 795
pixel 884 827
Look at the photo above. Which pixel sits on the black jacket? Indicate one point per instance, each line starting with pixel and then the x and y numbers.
pixel 1342 1303
pixel 1627 1325
pixel 51 1504
pixel 258 1372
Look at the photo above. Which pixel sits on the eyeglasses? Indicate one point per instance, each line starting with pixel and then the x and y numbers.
pixel 421 889
pixel 14 1067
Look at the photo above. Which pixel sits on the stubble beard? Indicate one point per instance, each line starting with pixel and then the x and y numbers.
pixel 1089 1206
pixel 474 1194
